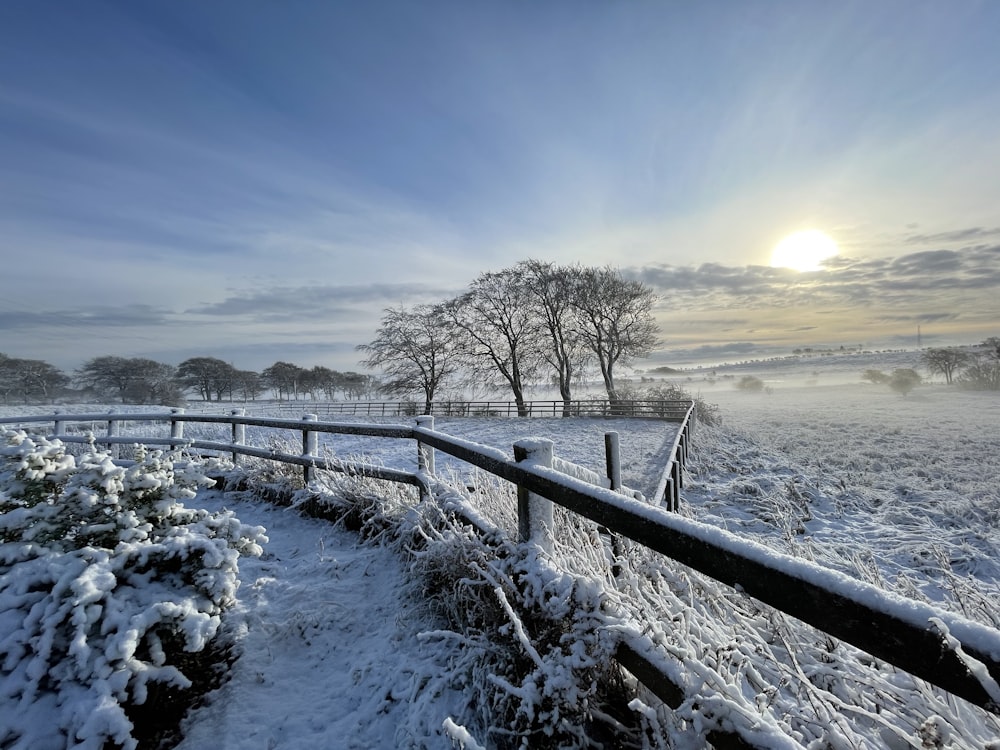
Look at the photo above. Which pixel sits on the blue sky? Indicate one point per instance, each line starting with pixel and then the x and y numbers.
pixel 258 180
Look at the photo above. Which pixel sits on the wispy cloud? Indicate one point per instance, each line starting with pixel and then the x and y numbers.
pixel 183 177
pixel 957 235
pixel 952 291
pixel 320 301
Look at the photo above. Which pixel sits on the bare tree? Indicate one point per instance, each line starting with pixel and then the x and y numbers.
pixel 320 380
pixel 133 380
pixel 615 320
pixel 356 385
pixel 208 375
pixel 991 348
pixel 550 290
pixel 415 350
pixel 946 361
pixel 247 385
pixel 30 379
pixel 875 376
pixel 496 331
pixel 284 378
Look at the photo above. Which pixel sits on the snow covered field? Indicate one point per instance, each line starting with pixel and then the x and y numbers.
pixel 904 491
pixel 901 492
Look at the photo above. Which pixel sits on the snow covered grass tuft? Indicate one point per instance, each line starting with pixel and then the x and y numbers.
pixel 109 589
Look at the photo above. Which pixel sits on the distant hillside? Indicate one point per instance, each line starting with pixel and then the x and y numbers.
pixel 664 370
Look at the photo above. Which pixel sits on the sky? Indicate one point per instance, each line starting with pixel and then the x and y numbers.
pixel 258 181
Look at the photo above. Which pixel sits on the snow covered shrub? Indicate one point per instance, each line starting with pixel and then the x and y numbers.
pixel 107 584
pixel 537 670
pixel 750 383
pixel 706 413
pixel 904 380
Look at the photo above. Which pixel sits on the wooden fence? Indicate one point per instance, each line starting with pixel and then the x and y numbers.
pixel 671 410
pixel 928 642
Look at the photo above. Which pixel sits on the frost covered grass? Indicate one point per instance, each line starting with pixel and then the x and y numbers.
pixel 110 588
pixel 531 638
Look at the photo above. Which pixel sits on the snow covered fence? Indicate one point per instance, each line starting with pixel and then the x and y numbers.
pixel 309 459
pixel 671 410
pixel 947 650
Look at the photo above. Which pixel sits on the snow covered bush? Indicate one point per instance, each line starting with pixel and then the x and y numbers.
pixel 705 412
pixel 107 584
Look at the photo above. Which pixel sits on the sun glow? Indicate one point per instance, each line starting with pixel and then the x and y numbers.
pixel 804 251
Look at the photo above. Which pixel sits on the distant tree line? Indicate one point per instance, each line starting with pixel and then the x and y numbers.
pixel 136 380
pixel 533 322
pixel 975 368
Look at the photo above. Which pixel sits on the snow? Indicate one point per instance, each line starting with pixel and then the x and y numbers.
pixel 898 494
pixel 331 652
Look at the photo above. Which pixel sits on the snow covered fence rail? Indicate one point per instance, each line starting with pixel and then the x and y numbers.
pixel 309 459
pixel 947 650
pixel 671 479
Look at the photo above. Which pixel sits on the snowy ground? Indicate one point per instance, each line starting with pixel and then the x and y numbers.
pixel 887 487
pixel 331 646
pixel 902 492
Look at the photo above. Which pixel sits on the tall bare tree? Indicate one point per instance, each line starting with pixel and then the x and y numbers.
pixel 320 380
pixel 356 385
pixel 982 372
pixel 615 318
pixel 497 332
pixel 550 290
pixel 415 350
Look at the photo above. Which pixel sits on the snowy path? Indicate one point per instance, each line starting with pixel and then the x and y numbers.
pixel 331 657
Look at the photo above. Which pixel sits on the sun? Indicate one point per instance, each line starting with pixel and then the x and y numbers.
pixel 804 251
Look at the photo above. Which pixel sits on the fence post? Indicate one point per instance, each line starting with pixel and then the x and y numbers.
pixel 534 513
pixel 672 493
pixel 57 424
pixel 425 454
pixel 310 447
pixel 176 427
pixel 113 448
pixel 613 460
pixel 239 434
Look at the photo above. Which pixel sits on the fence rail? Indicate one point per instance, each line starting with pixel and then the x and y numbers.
pixel 943 648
